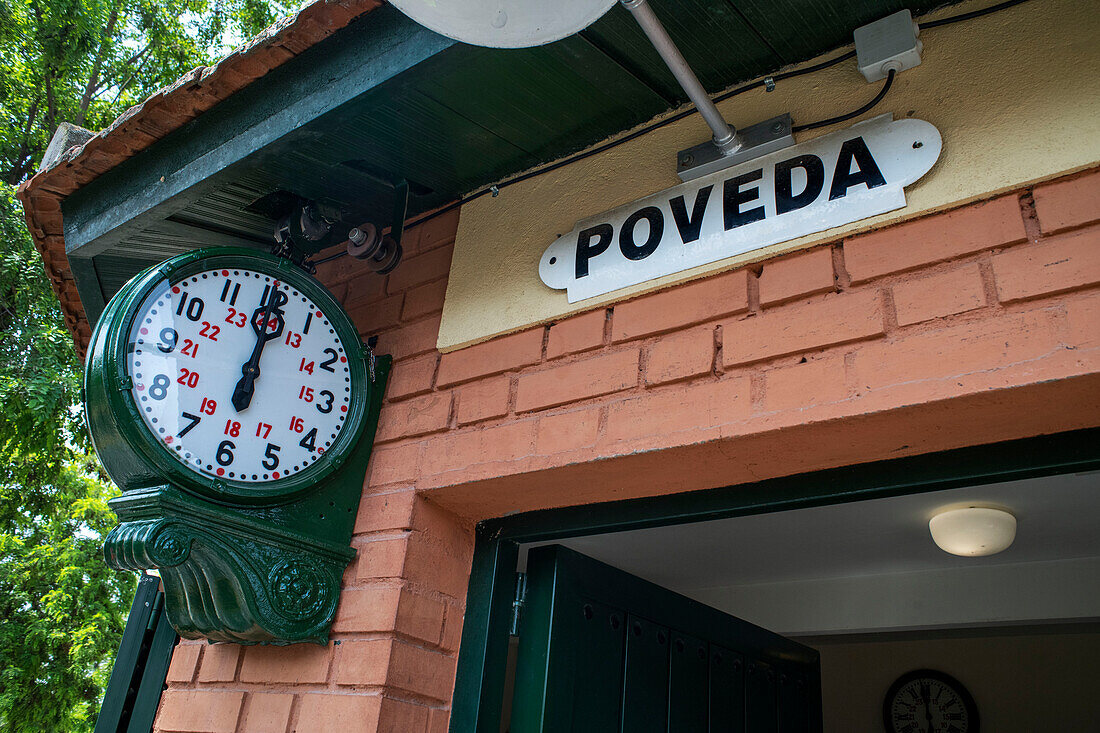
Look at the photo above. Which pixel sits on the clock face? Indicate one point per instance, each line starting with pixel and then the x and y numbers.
pixel 238 375
pixel 927 701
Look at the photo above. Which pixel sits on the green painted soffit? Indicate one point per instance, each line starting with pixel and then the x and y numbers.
pixel 385 98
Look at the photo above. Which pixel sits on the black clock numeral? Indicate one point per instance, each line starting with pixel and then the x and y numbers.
pixel 328 403
pixel 231 294
pixel 309 442
pixel 309 320
pixel 168 337
pixel 271 460
pixel 195 420
pixel 158 390
pixel 225 452
pixel 327 363
pixel 192 310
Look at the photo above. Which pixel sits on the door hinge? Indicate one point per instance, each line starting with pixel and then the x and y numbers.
pixel 518 602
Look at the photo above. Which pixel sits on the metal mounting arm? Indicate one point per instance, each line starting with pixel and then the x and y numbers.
pixel 725 135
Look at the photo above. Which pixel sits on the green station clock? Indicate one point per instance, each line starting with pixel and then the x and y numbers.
pixel 230 398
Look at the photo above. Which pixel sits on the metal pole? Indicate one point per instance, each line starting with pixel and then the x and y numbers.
pixel 725 136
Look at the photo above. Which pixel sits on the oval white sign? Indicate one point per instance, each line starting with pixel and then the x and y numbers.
pixel 832 180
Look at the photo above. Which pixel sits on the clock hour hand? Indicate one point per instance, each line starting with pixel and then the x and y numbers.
pixel 250 370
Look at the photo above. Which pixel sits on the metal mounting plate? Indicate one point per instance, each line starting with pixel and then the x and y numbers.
pixel 756 140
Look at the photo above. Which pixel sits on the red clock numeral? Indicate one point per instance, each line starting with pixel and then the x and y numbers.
pixel 306 366
pixel 297 424
pixel 293 340
pixel 208 406
pixel 306 393
pixel 190 348
pixel 209 331
pixel 188 378
pixel 232 428
pixel 236 318
pixel 263 428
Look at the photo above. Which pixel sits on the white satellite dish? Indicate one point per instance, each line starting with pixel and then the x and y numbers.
pixel 505 23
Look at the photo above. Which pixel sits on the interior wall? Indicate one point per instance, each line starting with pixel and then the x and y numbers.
pixel 1022 682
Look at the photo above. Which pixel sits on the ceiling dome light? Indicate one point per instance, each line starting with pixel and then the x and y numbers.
pixel 973 531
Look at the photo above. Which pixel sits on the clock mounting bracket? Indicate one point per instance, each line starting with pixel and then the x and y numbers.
pixel 259 563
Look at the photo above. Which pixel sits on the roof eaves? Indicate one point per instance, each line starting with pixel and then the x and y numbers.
pixel 168 109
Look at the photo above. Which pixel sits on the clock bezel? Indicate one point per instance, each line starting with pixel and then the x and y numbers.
pixel 974 721
pixel 120 420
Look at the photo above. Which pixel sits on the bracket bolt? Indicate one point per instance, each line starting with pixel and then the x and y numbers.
pixel 777 127
pixel 687 160
pixel 769 84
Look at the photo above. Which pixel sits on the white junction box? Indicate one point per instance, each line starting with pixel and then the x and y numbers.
pixel 889 43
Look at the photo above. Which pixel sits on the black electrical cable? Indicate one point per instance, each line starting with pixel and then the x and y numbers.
pixel 971 14
pixel 691 110
pixel 854 113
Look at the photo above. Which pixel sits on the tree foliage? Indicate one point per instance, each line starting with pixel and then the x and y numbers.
pixel 62 609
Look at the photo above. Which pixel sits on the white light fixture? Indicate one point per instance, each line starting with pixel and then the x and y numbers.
pixel 973 531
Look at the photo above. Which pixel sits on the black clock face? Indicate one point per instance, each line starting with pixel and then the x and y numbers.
pixel 927 701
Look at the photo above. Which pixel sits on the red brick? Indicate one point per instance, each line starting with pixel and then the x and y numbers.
pixel 438 720
pixel 483 400
pixel 438 231
pixel 680 356
pixel 323 712
pixel 394 463
pixel 805 273
pixel 567 431
pixel 936 296
pixel 692 407
pixel 948 353
pixel 425 299
pixel 497 444
pixel 817 382
pixel 934 239
pixel 398 716
pixel 579 380
pixel 367 288
pixel 576 334
pixel 199 711
pixel 376 316
pixel 219 663
pixel 385 607
pixel 267 712
pixel 684 305
pixel 411 377
pixel 835 320
pixel 1049 266
pixel 392 510
pixel 416 416
pixel 1065 204
pixel 185 660
pixel 362 663
pixel 419 558
pixel 382 558
pixel 1083 320
pixel 492 357
pixel 423 268
pixel 295 664
pixel 421 672
pixel 410 339
pixel 452 627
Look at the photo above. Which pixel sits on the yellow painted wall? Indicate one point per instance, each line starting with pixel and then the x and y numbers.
pixel 1015 95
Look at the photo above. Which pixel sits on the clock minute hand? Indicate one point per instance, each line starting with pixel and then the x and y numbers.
pixel 250 370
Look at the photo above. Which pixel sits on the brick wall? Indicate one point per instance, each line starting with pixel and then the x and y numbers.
pixel 971 326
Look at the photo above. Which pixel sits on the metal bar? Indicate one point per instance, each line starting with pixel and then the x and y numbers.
pixel 725 135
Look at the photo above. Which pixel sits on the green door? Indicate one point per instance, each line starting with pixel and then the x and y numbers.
pixel 601 651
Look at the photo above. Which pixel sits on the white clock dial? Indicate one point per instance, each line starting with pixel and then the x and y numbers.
pixel 929 705
pixel 189 352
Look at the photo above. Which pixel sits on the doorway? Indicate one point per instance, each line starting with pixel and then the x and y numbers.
pixel 785 554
